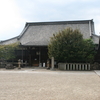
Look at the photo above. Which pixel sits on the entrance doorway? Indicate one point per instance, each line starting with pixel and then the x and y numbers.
pixel 34 56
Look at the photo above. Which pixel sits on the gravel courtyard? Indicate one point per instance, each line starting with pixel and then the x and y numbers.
pixel 49 85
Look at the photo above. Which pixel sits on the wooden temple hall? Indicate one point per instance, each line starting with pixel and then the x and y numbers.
pixel 35 37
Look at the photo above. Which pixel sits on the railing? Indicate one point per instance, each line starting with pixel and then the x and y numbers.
pixel 74 66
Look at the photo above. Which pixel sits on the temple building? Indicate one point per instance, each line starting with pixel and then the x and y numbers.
pixel 35 38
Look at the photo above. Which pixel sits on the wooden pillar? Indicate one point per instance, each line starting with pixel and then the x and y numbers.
pixel 40 65
pixel 22 53
pixel 30 62
pixel 22 56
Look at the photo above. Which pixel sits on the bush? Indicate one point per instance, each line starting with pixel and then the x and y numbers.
pixel 7 52
pixel 9 66
pixel 69 46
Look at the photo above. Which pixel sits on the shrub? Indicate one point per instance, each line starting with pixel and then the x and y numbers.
pixel 69 46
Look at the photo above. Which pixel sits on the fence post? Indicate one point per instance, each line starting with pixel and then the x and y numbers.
pixel 73 66
pixel 79 66
pixel 88 66
pixel 70 66
pixel 82 66
pixel 67 66
pixel 85 66
pixel 76 66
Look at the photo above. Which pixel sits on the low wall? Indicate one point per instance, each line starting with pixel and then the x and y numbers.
pixel 74 66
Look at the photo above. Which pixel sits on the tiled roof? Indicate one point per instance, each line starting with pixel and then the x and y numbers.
pixel 39 33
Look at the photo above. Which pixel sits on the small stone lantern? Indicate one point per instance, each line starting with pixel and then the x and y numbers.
pixel 19 64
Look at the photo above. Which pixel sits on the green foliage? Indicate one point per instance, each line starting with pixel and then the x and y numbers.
pixel 69 46
pixel 7 52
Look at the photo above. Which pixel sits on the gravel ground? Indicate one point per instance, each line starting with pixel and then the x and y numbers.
pixel 42 84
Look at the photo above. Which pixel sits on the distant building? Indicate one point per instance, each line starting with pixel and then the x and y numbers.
pixel 35 37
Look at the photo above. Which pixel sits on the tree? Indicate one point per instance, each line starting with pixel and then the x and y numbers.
pixel 69 46
pixel 7 52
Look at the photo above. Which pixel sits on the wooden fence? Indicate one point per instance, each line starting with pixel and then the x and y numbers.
pixel 74 66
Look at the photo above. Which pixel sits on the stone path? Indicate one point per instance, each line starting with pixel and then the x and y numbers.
pixel 42 84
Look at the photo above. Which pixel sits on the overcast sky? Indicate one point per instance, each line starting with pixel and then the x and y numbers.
pixel 15 13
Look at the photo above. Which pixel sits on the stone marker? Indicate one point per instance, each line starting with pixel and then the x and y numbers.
pixel 52 63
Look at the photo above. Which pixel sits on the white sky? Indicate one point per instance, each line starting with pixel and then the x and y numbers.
pixel 15 13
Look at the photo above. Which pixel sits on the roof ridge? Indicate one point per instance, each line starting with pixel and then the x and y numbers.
pixel 23 31
pixel 9 39
pixel 59 22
